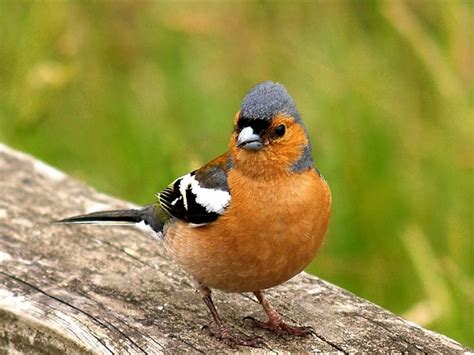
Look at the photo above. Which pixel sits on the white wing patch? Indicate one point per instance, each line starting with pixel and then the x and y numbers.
pixel 199 197
pixel 212 200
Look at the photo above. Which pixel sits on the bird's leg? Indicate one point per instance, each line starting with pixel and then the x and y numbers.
pixel 222 332
pixel 275 322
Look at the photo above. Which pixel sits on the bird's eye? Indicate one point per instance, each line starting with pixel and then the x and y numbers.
pixel 280 130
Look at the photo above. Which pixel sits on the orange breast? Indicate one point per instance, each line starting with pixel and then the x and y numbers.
pixel 269 233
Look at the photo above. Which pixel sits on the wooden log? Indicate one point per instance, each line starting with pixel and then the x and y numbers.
pixel 89 289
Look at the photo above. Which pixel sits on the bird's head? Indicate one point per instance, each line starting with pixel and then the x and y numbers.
pixel 269 135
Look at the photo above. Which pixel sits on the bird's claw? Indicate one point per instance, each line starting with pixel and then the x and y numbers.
pixel 281 328
pixel 225 335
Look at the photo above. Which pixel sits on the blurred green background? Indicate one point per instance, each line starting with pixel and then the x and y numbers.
pixel 128 95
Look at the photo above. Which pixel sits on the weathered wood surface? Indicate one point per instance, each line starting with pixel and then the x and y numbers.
pixel 87 289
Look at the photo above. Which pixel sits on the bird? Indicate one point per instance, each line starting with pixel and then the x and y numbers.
pixel 250 219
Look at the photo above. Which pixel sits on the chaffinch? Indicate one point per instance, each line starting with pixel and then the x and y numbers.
pixel 248 220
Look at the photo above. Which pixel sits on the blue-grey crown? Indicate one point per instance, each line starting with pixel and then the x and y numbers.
pixel 266 100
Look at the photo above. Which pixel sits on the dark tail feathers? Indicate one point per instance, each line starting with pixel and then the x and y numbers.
pixel 106 217
pixel 146 214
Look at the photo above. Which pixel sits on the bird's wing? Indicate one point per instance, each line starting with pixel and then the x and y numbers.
pixel 201 196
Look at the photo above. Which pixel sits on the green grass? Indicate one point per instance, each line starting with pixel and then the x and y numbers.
pixel 129 95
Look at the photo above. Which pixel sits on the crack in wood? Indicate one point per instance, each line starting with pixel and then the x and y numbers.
pixel 86 296
pixel 96 320
pixel 335 346
pixel 396 335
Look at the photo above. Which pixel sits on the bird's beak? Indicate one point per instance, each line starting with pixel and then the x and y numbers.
pixel 249 140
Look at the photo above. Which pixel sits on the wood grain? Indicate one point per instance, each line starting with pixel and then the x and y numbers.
pixel 107 290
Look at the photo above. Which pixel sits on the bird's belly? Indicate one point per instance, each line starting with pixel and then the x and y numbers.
pixel 242 262
pixel 243 252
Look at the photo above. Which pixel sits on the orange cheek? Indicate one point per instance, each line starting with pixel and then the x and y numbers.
pixel 278 155
pixel 289 148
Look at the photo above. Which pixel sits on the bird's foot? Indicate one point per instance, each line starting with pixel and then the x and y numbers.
pixel 281 328
pixel 225 335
